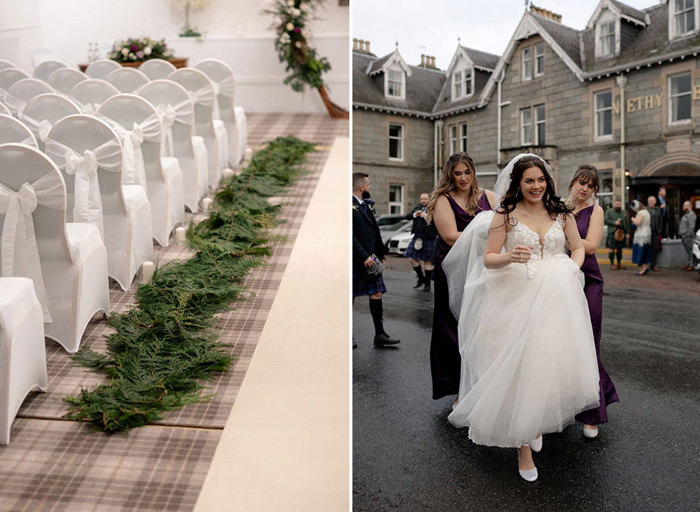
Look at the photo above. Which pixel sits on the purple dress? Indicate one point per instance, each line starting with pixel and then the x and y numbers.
pixel 445 361
pixel 594 295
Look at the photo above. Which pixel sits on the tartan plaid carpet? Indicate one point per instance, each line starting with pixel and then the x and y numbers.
pixel 53 464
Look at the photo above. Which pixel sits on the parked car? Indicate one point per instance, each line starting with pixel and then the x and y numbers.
pixel 398 243
pixel 388 220
pixel 390 231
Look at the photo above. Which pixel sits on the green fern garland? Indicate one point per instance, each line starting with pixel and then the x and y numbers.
pixel 164 347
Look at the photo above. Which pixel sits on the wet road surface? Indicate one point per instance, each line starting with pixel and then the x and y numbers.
pixel 407 457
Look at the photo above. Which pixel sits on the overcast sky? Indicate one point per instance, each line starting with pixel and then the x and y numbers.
pixel 432 27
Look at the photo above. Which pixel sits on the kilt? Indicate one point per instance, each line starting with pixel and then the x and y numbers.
pixel 426 252
pixel 611 243
pixel 363 285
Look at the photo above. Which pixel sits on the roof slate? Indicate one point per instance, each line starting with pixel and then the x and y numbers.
pixel 422 87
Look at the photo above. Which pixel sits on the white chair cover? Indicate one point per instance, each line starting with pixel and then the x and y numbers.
pixel 87 203
pixel 101 68
pixel 22 349
pixel 20 255
pixel 13 130
pixel 206 96
pixel 4 109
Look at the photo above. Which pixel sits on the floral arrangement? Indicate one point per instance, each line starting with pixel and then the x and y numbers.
pixel 139 50
pixel 304 66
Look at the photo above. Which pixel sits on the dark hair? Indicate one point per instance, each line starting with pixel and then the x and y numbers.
pixel 586 174
pixel 358 178
pixel 553 203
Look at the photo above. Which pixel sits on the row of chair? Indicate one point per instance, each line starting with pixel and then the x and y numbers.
pixel 63 79
pixel 88 178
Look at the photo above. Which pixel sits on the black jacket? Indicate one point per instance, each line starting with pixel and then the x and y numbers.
pixel 420 227
pixel 366 239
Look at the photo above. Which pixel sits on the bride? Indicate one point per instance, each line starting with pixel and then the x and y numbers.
pixel 525 337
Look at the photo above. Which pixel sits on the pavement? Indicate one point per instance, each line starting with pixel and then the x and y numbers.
pixel 407 456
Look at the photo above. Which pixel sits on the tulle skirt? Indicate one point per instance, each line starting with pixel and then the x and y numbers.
pixel 528 357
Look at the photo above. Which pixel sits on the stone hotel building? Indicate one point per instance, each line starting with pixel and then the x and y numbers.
pixel 623 94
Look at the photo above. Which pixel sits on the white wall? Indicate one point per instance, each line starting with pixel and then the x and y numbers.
pixel 236 31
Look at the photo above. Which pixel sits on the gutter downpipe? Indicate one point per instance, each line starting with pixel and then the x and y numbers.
pixel 622 82
pixel 438 151
pixel 498 123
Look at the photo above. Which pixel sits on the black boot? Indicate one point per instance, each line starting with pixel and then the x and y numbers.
pixel 419 272
pixel 381 338
pixel 428 277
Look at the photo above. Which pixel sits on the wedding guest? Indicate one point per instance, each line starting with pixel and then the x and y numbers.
pixel 617 222
pixel 641 243
pixel 589 221
pixel 686 230
pixel 528 357
pixel 665 220
pixel 367 249
pixel 656 223
pixel 420 248
pixel 452 206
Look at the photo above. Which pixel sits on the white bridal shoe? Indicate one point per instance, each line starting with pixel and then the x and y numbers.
pixel 590 433
pixel 536 444
pixel 529 474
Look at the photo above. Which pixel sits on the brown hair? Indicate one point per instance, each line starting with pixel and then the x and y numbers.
pixel 447 183
pixel 586 174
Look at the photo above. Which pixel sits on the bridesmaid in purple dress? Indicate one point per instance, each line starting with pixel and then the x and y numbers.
pixel 453 204
pixel 589 220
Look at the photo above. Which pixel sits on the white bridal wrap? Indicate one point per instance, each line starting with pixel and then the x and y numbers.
pixel 525 336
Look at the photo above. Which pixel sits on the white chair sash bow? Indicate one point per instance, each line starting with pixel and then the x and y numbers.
pixel 15 104
pixel 150 129
pixel 89 108
pixel 226 86
pixel 20 254
pixel 167 115
pixel 40 128
pixel 87 202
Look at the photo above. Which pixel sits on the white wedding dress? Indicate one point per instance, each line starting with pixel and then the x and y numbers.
pixel 528 358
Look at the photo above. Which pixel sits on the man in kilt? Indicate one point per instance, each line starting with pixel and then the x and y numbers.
pixel 367 250
pixel 616 219
pixel 420 249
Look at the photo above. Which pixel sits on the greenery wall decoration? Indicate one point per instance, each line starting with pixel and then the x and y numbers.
pixel 164 347
pixel 304 65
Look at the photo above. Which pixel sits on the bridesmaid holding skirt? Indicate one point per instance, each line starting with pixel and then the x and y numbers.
pixel 589 220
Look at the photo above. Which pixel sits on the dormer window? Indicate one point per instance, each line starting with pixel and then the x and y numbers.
pixel 606 38
pixel 395 84
pixel 462 84
pixel 683 19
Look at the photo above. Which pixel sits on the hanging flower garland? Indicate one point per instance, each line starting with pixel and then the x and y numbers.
pixel 304 65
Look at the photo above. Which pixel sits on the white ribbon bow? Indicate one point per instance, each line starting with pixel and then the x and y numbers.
pixel 15 104
pixel 40 128
pixel 20 254
pixel 87 202
pixel 89 108
pixel 167 115
pixel 226 86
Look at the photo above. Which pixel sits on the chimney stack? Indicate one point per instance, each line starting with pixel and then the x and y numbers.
pixel 355 45
pixel 545 13
pixel 422 59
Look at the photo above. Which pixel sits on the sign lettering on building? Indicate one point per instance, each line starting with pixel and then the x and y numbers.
pixel 648 101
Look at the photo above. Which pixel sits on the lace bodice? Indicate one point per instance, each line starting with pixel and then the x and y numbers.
pixel 553 239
